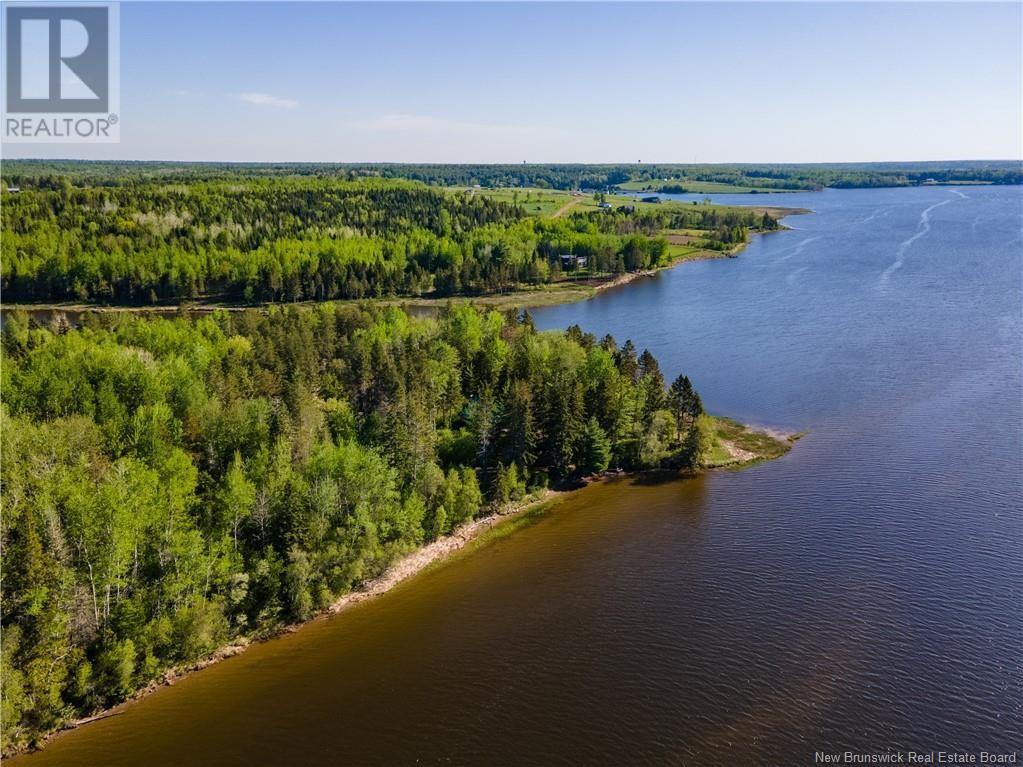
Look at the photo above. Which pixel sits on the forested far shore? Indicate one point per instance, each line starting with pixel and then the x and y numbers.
pixel 566 176
pixel 256 240
pixel 173 484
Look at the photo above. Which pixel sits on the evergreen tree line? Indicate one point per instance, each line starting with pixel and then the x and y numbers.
pixel 173 484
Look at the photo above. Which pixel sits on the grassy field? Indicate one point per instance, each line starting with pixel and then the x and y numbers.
pixel 549 202
pixel 536 202
pixel 524 298
pixel 691 253
pixel 696 187
pixel 541 202
pixel 737 444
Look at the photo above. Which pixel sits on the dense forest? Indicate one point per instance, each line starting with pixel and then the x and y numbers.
pixel 50 174
pixel 173 484
pixel 254 240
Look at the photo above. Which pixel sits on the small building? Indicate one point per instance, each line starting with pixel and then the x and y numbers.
pixel 653 198
pixel 571 261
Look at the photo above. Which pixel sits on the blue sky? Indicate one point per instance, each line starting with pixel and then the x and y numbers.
pixel 571 82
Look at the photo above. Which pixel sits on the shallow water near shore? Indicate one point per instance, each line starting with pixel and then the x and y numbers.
pixel 862 593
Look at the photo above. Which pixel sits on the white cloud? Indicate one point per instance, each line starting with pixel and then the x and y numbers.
pixel 266 100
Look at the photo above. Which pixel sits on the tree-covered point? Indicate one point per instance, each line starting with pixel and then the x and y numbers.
pixel 766 176
pixel 258 240
pixel 171 484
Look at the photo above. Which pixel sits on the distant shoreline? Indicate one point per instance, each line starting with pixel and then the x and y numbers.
pixel 563 292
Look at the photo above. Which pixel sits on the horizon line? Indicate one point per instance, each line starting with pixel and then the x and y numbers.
pixel 506 163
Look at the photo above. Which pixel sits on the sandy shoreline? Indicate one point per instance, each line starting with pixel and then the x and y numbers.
pixel 415 562
pixel 398 571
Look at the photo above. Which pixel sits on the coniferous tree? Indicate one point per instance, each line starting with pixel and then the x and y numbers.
pixel 595 451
